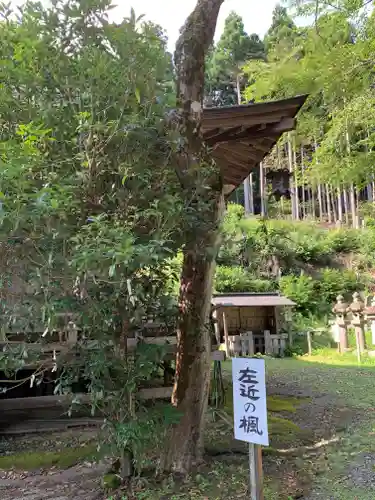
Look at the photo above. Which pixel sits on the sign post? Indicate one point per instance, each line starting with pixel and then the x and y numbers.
pixel 250 415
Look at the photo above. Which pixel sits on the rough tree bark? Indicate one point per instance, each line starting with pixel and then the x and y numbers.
pixel 196 168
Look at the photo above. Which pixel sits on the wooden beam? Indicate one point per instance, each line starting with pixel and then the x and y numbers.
pixel 241 154
pixel 216 135
pixel 245 119
pixel 228 188
pixel 212 132
pixel 285 124
pixel 292 104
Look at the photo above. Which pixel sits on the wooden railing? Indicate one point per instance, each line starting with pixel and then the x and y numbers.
pixel 248 344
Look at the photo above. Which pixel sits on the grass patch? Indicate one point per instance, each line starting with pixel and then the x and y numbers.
pixel 329 356
pixel 63 459
pixel 284 403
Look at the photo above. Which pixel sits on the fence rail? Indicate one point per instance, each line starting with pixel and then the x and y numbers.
pixel 248 344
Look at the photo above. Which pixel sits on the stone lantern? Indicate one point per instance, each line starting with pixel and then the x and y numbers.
pixel 340 310
pixel 369 312
pixel 357 308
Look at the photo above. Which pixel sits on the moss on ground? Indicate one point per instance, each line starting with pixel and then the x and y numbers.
pixel 63 459
pixel 284 403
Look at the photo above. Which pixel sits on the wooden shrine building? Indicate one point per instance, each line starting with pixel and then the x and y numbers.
pixel 264 315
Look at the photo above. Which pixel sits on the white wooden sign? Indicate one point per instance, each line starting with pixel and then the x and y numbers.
pixel 249 400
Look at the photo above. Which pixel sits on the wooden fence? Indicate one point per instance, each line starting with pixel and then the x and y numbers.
pixel 248 344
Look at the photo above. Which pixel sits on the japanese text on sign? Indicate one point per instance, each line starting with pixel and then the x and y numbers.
pixel 249 400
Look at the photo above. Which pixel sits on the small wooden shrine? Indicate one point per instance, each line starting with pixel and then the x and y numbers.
pixel 264 315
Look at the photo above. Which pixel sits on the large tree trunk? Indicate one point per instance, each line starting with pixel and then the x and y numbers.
pixel 191 389
pixel 202 183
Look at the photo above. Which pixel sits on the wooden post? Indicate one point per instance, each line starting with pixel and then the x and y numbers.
pixel 235 344
pixel 283 338
pixel 309 346
pixel 226 337
pixel 256 472
pixel 251 344
pixel 216 326
pixel 267 342
pixel 247 343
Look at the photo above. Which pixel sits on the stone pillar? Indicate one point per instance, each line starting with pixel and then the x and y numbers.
pixel 370 316
pixel 340 311
pixel 357 308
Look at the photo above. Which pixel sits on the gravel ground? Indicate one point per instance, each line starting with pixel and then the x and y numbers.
pixel 338 466
pixel 81 483
pixel 332 414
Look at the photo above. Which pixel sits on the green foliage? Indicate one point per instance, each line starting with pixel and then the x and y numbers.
pixel 89 197
pixel 224 63
pixel 310 260
pixel 300 289
pixel 331 61
pixel 238 279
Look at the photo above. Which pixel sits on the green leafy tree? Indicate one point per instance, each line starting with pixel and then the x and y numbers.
pixel 224 67
pixel 89 197
pixel 282 33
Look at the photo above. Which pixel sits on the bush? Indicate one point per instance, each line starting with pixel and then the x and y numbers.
pixel 335 281
pixel 238 279
pixel 301 290
pixel 342 240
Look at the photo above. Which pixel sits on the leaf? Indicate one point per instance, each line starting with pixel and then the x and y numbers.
pixel 138 95
pixel 112 270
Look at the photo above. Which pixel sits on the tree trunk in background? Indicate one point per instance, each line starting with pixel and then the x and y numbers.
pixel 339 206
pixel 296 179
pixel 251 194
pixel 313 202
pixel 320 194
pixel 262 190
pixel 246 195
pixel 248 182
pixel 353 206
pixel 333 198
pixel 292 185
pixel 184 446
pixel 320 202
pixel 346 206
pixel 303 184
pixel 328 201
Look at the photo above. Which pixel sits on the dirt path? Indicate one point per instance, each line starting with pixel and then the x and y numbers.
pixel 333 460
pixel 341 416
pixel 79 482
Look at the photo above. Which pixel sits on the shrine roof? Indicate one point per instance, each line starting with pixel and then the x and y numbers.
pixel 241 136
pixel 250 300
